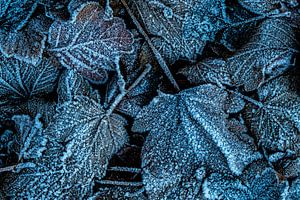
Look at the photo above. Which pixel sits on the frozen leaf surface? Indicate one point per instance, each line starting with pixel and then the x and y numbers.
pixel 263 6
pixel 265 186
pixel 31 142
pixel 185 130
pixel 88 43
pixel 269 53
pixel 20 80
pixel 275 119
pixel 181 28
pixel 15 13
pixel 27 44
pixel 67 171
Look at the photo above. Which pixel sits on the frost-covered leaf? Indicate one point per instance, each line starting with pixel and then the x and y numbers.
pixel 88 43
pixel 269 53
pixel 275 119
pixel 119 193
pixel 293 191
pixel 182 27
pixel 27 44
pixel 185 130
pixel 263 6
pixel 56 9
pixel 265 186
pixel 30 143
pixel 83 139
pixel 72 84
pixel 20 80
pixel 15 13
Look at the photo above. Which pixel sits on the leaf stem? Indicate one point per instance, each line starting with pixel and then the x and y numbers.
pixel 157 55
pixel 125 169
pixel 124 92
pixel 120 183
pixel 8 168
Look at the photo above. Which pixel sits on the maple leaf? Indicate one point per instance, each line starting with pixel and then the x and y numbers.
pixel 269 53
pixel 15 13
pixel 275 119
pixel 88 43
pixel 186 130
pixel 181 28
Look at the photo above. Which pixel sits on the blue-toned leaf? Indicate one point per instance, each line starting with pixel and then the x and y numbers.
pixel 82 138
pixel 263 6
pixel 185 130
pixel 27 44
pixel 182 27
pixel 15 13
pixel 88 43
pixel 269 53
pixel 20 80
pixel 276 119
pixel 31 142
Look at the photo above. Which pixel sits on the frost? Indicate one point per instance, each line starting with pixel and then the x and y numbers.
pixel 181 28
pixel 27 44
pixel 276 119
pixel 88 43
pixel 15 13
pixel 64 171
pixel 185 130
pixel 269 53
pixel 31 142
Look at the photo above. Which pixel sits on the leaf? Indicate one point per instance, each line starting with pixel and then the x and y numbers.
pixel 22 81
pixel 185 130
pixel 262 6
pixel 27 44
pixel 88 43
pixel 119 193
pixel 15 13
pixel 67 171
pixel 31 142
pixel 275 119
pixel 72 84
pixel 294 190
pixel 265 186
pixel 269 53
pixel 181 28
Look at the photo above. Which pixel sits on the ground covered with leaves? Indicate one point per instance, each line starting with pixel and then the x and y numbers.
pixel 150 99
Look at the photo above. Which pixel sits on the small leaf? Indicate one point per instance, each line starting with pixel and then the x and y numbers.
pixel 88 43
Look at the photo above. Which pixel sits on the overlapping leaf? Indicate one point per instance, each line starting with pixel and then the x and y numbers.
pixel 20 80
pixel 186 130
pixel 275 119
pixel 90 137
pixel 270 52
pixel 181 28
pixel 88 43
pixel 15 13
pixel 262 6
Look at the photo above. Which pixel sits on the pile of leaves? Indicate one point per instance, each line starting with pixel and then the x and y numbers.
pixel 149 99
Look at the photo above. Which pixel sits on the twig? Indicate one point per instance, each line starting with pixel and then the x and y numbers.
pixel 120 183
pixel 157 55
pixel 124 92
pixel 125 169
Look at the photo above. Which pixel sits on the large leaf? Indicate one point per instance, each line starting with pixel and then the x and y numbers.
pixel 187 130
pixel 82 140
pixel 181 28
pixel 275 119
pixel 270 52
pixel 88 43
